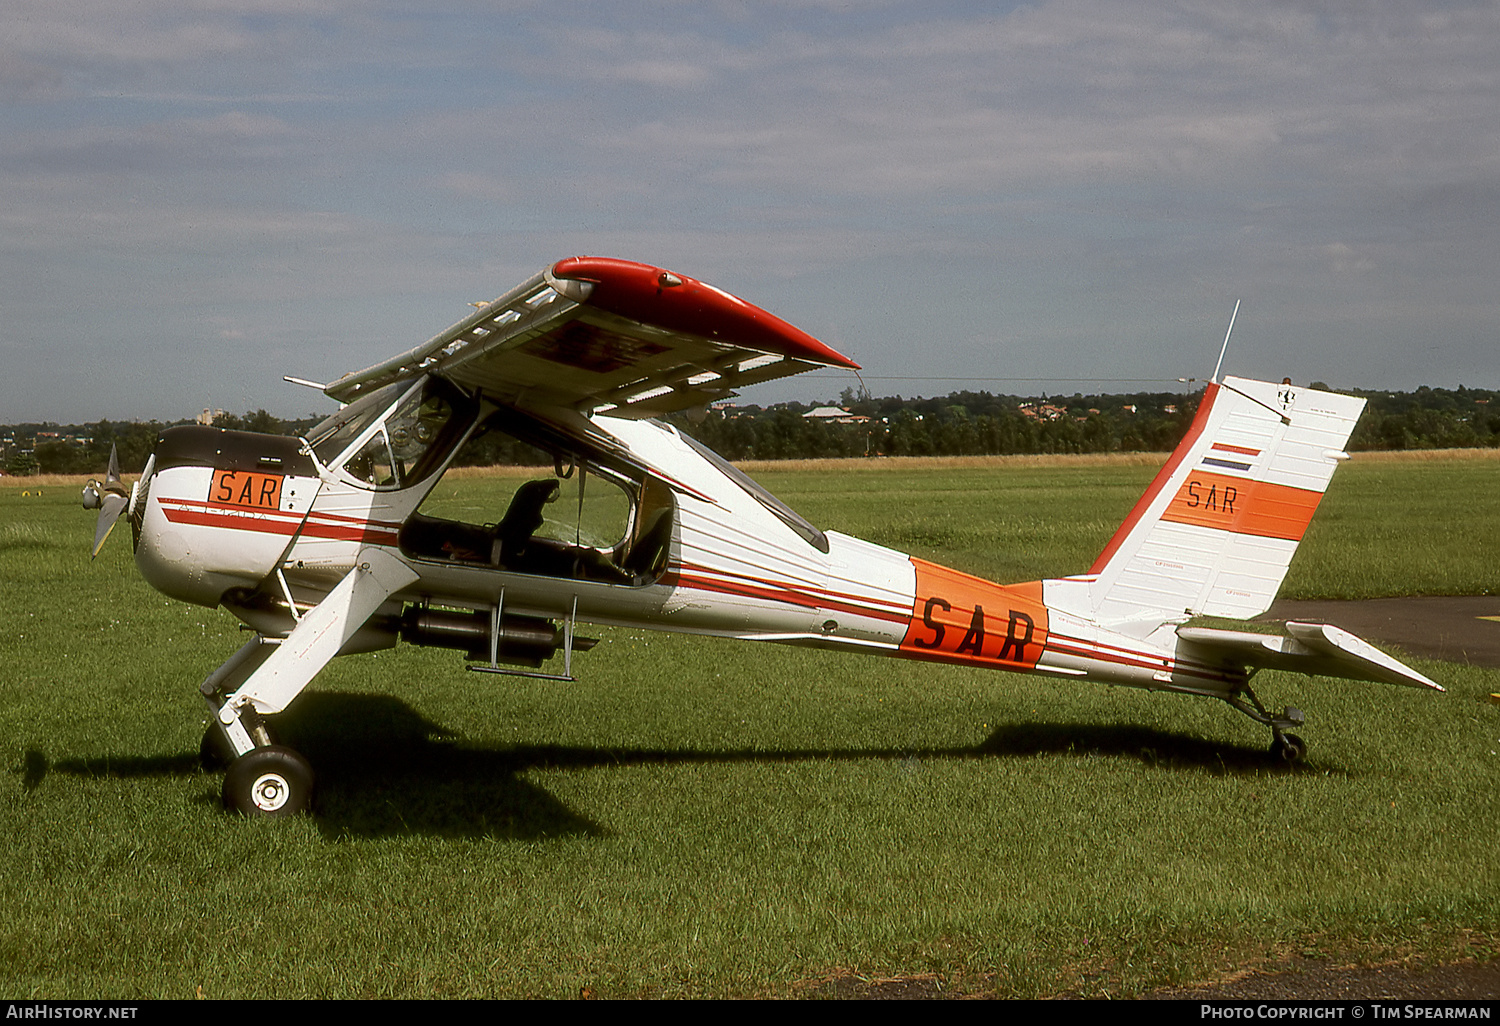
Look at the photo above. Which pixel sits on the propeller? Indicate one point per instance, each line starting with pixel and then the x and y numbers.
pixel 110 499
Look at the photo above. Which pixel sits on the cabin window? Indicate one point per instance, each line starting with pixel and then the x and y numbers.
pixel 589 510
pixel 536 509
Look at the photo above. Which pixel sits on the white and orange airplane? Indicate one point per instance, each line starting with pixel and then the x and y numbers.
pixel 323 545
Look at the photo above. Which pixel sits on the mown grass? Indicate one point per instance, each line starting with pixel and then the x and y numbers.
pixel 703 818
pixel 1392 524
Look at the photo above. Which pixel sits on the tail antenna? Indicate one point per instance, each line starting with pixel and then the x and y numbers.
pixel 864 392
pixel 1225 347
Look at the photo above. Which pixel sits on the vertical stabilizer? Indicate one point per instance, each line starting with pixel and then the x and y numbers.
pixel 1215 532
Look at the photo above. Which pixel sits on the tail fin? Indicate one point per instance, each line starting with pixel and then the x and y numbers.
pixel 1215 532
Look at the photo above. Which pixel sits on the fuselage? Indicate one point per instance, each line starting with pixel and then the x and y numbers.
pixel 266 526
pixel 345 540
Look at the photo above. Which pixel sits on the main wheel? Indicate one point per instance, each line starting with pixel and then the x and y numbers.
pixel 272 781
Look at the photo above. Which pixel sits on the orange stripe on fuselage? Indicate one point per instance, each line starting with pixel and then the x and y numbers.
pixel 956 618
pixel 1243 506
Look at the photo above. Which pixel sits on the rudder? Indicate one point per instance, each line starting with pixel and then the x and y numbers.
pixel 1216 531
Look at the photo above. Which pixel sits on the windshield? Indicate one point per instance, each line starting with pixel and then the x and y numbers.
pixel 332 435
pixel 410 438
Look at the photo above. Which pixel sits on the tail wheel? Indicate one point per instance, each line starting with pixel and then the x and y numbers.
pixel 272 782
pixel 1290 748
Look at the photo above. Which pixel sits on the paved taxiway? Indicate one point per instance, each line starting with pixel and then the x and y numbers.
pixel 1462 629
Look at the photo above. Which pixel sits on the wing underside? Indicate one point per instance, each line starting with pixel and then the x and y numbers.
pixel 609 336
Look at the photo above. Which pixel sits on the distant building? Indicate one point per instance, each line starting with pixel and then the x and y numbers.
pixel 1043 411
pixel 834 415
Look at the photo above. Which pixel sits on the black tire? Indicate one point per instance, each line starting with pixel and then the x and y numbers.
pixel 1290 748
pixel 272 782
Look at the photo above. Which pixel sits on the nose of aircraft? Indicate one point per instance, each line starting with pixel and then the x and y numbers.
pixel 162 554
pixel 214 510
pixel 177 550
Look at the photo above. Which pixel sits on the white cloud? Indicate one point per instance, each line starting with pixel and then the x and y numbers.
pixel 1345 259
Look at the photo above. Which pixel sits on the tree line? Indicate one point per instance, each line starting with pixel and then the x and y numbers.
pixel 134 440
pixel 959 424
pixel 978 423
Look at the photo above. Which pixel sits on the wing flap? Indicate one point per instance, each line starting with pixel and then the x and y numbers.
pixel 597 334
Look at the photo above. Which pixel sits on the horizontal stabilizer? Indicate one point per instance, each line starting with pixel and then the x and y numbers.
pixel 1313 648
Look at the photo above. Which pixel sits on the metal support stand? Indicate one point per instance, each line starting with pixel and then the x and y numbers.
pixel 496 633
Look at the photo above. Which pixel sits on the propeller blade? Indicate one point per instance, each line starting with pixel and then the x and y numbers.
pixel 109 512
pixel 110 499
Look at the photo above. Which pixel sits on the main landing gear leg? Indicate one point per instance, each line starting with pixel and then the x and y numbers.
pixel 261 778
pixel 1287 747
pixel 265 675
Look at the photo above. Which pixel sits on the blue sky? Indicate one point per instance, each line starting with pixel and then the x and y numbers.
pixel 199 196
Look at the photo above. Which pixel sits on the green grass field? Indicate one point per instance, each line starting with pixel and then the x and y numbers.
pixel 703 818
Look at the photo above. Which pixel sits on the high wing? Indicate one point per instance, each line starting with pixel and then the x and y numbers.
pixel 612 336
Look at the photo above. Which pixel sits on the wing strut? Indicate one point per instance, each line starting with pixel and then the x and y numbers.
pixel 280 670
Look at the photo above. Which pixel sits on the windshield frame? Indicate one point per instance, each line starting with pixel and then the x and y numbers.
pixel 338 440
pixel 351 422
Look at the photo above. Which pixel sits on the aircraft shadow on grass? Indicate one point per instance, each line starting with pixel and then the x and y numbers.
pixel 386 770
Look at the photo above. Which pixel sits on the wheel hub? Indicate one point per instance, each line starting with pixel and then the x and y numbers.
pixel 270 792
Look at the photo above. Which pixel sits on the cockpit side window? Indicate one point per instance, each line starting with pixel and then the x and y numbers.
pixel 545 506
pixel 592 509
